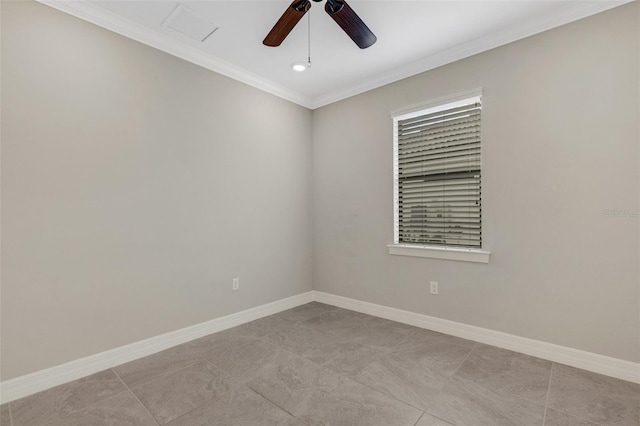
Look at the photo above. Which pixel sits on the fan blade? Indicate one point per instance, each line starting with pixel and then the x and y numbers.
pixel 287 21
pixel 350 22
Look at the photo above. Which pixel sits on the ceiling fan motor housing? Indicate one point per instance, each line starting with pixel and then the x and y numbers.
pixel 302 6
pixel 333 6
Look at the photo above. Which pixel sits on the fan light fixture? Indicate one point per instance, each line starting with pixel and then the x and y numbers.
pixel 298 67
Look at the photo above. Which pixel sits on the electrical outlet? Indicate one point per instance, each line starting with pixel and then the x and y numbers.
pixel 236 284
pixel 434 287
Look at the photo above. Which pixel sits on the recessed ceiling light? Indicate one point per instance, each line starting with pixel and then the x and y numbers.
pixel 298 67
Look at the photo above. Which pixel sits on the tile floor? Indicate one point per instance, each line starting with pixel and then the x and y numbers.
pixel 321 365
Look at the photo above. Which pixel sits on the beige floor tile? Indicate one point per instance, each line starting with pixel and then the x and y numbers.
pixel 121 410
pixel 594 397
pixel 304 312
pixel 172 395
pixel 248 362
pixel 330 366
pixel 264 326
pixel 335 321
pixel 143 370
pixel 520 375
pixel 58 402
pixel 241 407
pixel 5 416
pixel 381 332
pixel 293 384
pixel 306 390
pixel 404 379
pixel 317 346
pixel 556 418
pixel 429 420
pixel 427 336
pixel 436 354
pixel 354 404
pixel 352 358
pixel 217 343
pixel 466 403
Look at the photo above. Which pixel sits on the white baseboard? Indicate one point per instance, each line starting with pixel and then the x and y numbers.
pixel 621 369
pixel 29 384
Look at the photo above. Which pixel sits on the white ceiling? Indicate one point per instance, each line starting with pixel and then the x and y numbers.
pixel 413 36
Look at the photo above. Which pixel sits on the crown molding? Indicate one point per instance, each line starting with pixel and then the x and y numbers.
pixel 125 27
pixel 573 12
pixel 87 11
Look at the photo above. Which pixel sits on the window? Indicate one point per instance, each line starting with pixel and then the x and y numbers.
pixel 438 177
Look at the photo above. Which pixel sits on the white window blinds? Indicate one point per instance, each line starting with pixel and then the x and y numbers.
pixel 438 176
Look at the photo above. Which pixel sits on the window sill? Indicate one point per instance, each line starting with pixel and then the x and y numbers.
pixel 433 252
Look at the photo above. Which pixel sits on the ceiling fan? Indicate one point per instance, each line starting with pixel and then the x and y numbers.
pixel 339 10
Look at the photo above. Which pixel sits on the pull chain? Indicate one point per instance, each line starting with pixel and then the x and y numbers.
pixel 309 39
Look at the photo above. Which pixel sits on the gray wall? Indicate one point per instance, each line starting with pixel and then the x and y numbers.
pixel 561 145
pixel 135 186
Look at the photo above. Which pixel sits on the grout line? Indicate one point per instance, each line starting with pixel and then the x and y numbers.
pixel 504 391
pixel 349 377
pixel 449 381
pixel 442 420
pixel 353 379
pixel 459 366
pixel 160 376
pixel 572 415
pixel 269 401
pixel 435 417
pixel 222 373
pixel 236 384
pixel 10 415
pixel 190 364
pixel 546 401
pixel 420 418
pixel 136 397
pixel 80 410
pixel 336 373
pixel 302 357
pixel 76 410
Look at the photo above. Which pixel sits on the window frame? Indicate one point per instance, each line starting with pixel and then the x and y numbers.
pixel 475 254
